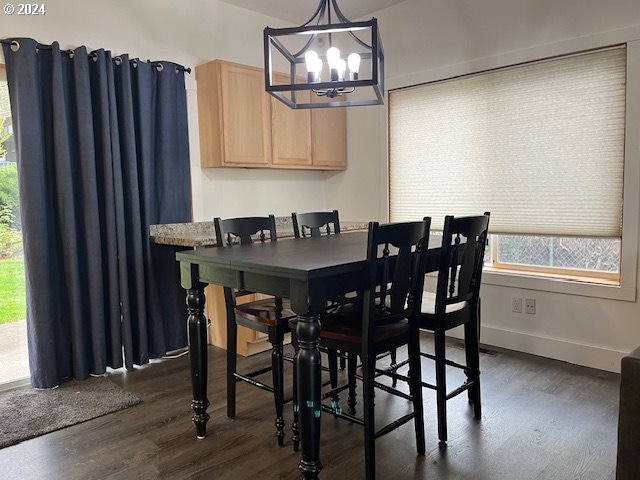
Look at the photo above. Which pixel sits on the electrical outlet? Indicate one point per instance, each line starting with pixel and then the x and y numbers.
pixel 516 305
pixel 530 306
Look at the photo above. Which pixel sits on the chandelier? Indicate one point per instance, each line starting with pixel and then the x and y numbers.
pixel 318 74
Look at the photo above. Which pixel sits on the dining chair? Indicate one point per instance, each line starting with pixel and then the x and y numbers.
pixel 385 317
pixel 313 224
pixel 456 302
pixel 269 316
pixel 321 223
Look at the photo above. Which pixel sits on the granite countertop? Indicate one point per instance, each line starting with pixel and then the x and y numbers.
pixel 202 234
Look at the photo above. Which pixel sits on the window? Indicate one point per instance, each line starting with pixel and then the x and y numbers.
pixel 539 145
pixel 14 363
pixel 577 258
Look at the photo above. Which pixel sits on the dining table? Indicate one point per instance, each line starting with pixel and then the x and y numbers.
pixel 309 272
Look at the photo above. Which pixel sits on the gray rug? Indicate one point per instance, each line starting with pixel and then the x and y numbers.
pixel 27 413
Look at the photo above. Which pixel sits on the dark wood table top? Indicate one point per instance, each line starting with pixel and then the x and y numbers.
pixel 299 259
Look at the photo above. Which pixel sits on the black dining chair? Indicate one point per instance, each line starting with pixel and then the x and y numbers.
pixel 385 317
pixel 456 302
pixel 269 316
pixel 313 224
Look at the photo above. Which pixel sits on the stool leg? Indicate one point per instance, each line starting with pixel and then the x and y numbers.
pixel 441 386
pixel 415 379
pixel 394 360
pixel 295 426
pixel 333 377
pixel 352 365
pixel 232 345
pixel 472 351
pixel 277 368
pixel 368 375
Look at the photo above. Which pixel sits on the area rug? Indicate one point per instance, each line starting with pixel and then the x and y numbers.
pixel 27 413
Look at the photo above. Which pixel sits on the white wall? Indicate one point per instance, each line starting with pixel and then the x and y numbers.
pixel 188 33
pixel 436 39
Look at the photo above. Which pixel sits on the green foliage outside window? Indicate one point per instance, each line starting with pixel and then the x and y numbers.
pixel 9 202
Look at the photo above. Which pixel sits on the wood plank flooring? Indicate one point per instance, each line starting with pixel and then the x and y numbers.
pixel 542 419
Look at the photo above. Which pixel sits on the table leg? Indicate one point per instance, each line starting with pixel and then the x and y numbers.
pixel 197 331
pixel 308 369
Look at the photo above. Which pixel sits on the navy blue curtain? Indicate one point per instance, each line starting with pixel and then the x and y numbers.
pixel 102 146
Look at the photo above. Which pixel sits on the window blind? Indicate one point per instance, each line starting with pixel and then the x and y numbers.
pixel 540 146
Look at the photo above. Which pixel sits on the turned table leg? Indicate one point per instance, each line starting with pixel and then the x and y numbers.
pixel 197 331
pixel 308 370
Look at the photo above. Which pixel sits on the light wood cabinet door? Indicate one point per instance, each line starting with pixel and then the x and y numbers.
pixel 329 138
pixel 249 341
pixel 234 114
pixel 245 113
pixel 290 132
pixel 243 126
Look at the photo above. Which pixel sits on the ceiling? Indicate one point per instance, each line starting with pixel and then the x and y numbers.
pixel 299 11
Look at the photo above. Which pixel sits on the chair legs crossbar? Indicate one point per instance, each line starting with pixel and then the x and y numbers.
pixel 395 424
pixel 353 419
pixel 471 386
pixel 251 381
pixel 337 411
pixel 451 363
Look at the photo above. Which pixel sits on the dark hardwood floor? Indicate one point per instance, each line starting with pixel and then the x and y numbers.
pixel 542 419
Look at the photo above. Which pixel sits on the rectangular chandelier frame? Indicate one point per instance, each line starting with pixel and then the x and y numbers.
pixel 287 93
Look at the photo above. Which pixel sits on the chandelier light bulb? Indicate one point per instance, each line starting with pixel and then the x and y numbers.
pixel 317 67
pixel 342 66
pixel 311 60
pixel 354 65
pixel 333 56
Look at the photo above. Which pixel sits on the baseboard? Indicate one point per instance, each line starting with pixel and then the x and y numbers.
pixel 577 353
pixel 21 382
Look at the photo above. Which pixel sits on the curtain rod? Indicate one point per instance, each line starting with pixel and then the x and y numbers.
pixel 40 46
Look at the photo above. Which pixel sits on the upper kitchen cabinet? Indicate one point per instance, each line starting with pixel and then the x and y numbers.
pixel 329 137
pixel 290 132
pixel 242 126
pixel 234 114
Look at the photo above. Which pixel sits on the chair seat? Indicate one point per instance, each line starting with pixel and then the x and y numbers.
pixel 345 325
pixel 456 313
pixel 265 312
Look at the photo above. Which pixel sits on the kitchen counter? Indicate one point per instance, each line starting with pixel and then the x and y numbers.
pixel 202 234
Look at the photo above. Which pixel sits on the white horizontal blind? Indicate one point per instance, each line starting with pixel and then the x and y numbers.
pixel 540 146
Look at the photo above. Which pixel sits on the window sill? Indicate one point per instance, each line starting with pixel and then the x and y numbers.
pixel 515 279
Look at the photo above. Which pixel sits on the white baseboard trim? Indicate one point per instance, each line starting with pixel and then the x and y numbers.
pixel 577 353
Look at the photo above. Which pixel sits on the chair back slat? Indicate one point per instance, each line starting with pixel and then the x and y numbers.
pixel 395 254
pixel 242 230
pixel 312 224
pixel 402 277
pixel 463 245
